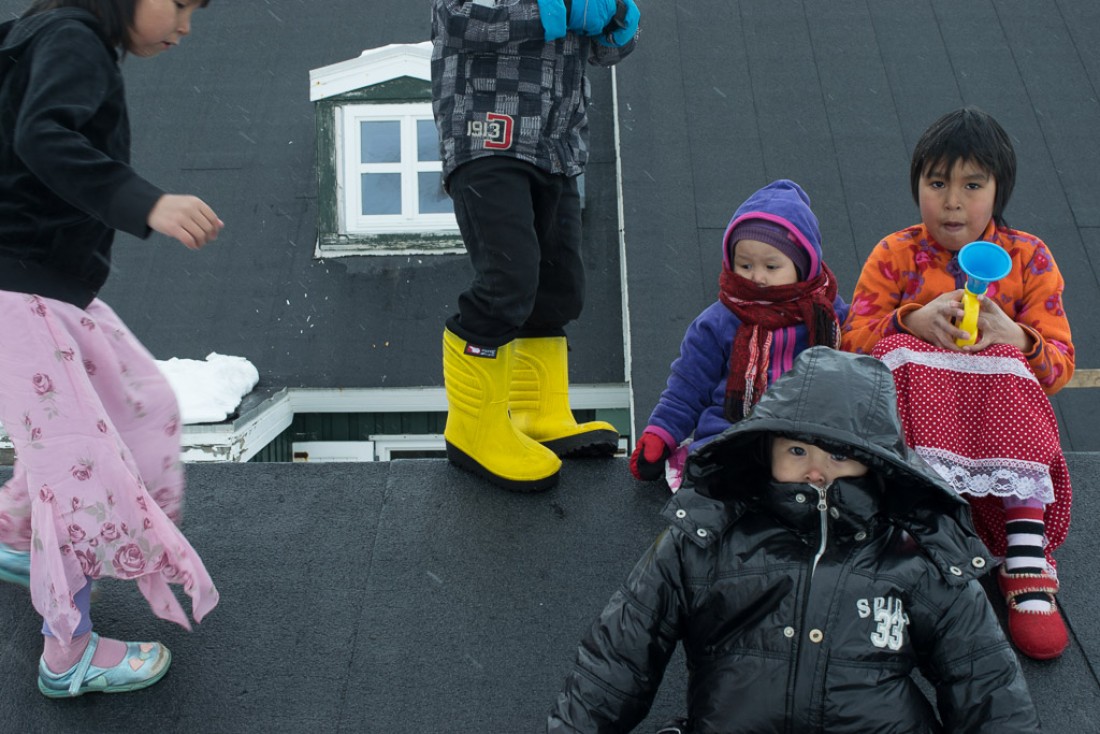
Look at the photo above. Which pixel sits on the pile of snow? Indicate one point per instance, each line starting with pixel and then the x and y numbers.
pixel 209 391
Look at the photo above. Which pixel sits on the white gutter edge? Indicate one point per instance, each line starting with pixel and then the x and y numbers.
pixel 246 436
pixel 628 362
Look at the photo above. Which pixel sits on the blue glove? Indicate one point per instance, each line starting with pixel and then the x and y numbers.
pixel 622 27
pixel 589 17
pixel 552 14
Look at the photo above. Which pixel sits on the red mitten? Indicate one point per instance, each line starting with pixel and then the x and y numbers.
pixel 648 460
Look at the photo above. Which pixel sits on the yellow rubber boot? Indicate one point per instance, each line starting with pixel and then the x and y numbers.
pixel 479 435
pixel 539 402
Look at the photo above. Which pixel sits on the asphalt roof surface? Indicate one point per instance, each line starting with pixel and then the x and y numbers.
pixel 408 596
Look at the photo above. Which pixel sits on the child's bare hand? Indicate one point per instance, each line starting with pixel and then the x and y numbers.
pixel 934 322
pixel 997 327
pixel 186 218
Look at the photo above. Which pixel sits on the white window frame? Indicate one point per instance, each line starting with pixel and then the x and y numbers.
pixel 332 451
pixel 350 168
pixel 386 444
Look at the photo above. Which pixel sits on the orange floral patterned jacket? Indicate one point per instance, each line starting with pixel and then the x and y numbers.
pixel 908 269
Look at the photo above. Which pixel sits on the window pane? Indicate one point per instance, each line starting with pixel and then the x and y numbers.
pixel 381 193
pixel 433 200
pixel 427 141
pixel 381 141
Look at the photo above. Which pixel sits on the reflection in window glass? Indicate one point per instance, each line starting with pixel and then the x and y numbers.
pixel 380 141
pixel 433 199
pixel 381 193
pixel 427 141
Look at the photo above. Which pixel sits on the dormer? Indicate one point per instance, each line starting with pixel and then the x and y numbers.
pixel 379 174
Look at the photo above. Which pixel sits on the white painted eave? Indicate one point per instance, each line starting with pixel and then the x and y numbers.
pixel 373 66
pixel 243 438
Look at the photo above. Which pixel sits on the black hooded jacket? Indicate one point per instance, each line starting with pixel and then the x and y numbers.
pixel 803 610
pixel 65 179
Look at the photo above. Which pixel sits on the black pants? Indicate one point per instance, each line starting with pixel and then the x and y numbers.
pixel 522 229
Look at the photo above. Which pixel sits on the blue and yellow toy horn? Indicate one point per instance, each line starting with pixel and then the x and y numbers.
pixel 984 263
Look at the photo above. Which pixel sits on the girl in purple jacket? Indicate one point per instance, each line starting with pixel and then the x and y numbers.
pixel 776 298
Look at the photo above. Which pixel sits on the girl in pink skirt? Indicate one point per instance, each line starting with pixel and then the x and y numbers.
pixel 97 484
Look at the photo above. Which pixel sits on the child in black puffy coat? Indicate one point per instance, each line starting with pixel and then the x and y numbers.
pixel 812 564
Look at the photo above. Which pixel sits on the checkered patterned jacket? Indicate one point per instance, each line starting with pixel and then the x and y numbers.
pixel 499 88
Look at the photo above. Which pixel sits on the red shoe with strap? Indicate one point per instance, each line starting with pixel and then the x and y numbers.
pixel 1039 635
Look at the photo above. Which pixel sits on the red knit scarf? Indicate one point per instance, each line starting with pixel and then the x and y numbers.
pixel 762 310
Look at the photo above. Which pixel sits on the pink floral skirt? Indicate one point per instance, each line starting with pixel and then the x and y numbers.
pixel 983 422
pixel 97 487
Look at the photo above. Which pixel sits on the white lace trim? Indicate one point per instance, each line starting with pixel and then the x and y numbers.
pixel 959 362
pixel 1000 477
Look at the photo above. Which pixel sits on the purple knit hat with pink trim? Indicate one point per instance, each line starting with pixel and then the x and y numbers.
pixel 775 235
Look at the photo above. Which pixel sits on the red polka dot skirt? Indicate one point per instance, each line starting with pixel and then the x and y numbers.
pixel 982 421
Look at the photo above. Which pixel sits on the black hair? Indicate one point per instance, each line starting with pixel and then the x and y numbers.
pixel 967 134
pixel 116 16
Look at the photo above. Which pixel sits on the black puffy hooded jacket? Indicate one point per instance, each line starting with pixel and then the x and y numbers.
pixel 805 611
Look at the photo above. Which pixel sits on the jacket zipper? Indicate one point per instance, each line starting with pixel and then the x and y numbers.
pixel 823 513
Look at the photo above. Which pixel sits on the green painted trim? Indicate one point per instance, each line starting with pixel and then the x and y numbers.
pixel 328 215
pixel 618 417
pixel 361 426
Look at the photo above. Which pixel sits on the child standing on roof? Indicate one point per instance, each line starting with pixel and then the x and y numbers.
pixel 812 564
pixel 978 413
pixel 510 96
pixel 98 483
pixel 776 298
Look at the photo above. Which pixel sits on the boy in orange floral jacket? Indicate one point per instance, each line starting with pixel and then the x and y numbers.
pixel 979 414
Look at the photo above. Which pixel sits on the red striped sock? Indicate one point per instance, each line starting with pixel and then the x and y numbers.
pixel 1026 535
